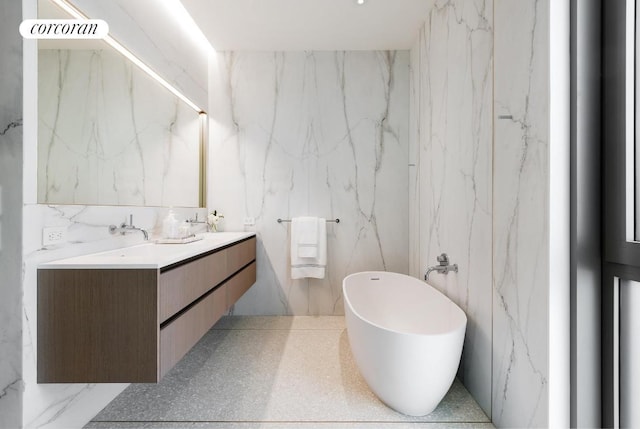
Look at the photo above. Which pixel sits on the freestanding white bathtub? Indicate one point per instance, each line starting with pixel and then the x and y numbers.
pixel 406 338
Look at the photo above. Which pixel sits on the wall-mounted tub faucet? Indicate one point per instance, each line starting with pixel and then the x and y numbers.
pixel 442 267
pixel 124 228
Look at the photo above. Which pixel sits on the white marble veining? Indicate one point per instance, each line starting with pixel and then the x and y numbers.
pixel 521 219
pixel 11 134
pixel 494 227
pixel 149 254
pixel 156 34
pixel 452 66
pixel 312 133
pixel 108 134
pixel 415 98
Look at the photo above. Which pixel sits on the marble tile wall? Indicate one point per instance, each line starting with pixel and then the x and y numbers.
pixel 11 131
pixel 484 199
pixel 415 98
pixel 109 134
pixel 452 65
pixel 312 133
pixel 521 214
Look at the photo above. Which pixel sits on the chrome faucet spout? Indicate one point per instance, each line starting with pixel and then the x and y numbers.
pixel 442 267
pixel 145 233
pixel 125 229
pixel 429 270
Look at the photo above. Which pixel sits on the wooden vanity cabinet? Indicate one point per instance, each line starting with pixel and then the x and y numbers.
pixel 134 325
pixel 97 326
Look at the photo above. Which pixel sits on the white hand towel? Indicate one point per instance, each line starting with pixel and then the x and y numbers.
pixel 304 266
pixel 306 229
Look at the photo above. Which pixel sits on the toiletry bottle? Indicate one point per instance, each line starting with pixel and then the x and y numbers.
pixel 185 229
pixel 170 226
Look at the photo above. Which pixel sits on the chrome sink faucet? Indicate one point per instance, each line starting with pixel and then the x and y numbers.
pixel 125 229
pixel 195 219
pixel 442 267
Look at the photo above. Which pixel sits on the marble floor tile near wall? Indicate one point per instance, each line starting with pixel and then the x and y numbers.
pixel 273 372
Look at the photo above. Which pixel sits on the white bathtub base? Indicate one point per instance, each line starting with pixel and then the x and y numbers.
pixel 410 372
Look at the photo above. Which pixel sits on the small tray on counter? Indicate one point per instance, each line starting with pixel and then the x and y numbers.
pixel 184 240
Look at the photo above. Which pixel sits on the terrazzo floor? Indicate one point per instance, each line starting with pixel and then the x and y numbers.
pixel 273 372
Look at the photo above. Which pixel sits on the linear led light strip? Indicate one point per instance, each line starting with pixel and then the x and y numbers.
pixel 71 10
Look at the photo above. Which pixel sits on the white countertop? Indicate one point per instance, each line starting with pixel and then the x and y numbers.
pixel 149 254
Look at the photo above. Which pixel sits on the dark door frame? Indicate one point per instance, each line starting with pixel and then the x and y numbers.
pixel 621 258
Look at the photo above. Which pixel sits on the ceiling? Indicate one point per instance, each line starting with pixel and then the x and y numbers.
pixel 300 25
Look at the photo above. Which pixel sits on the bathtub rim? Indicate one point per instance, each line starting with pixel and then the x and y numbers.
pixel 393 331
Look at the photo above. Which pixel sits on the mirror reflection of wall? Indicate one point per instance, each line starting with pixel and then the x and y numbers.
pixel 109 134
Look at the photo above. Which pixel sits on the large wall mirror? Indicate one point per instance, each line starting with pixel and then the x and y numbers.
pixel 110 134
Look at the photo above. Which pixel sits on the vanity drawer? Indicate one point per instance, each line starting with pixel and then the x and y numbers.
pixel 238 285
pixel 241 254
pixel 179 336
pixel 182 285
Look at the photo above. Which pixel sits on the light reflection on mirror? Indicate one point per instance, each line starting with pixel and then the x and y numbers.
pixel 109 134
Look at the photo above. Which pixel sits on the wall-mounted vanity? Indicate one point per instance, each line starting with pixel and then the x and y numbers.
pixel 129 315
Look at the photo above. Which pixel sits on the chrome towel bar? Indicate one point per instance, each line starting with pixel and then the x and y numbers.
pixel 328 220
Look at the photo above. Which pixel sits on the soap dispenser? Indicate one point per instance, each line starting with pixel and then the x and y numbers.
pixel 170 226
pixel 185 229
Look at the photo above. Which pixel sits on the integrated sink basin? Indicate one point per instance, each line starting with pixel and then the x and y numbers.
pixel 151 254
pixel 221 236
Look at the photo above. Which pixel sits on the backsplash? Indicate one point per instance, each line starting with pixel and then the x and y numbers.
pixel 312 134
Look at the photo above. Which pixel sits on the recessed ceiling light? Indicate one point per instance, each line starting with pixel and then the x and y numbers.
pixel 360 2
